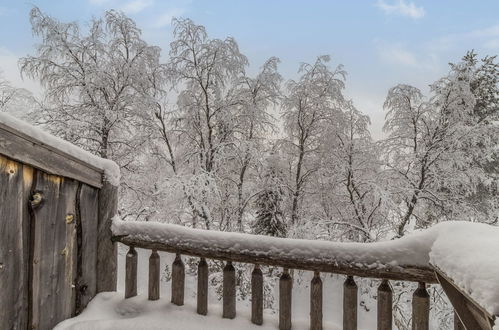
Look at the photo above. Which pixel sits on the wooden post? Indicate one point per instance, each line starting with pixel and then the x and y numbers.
pixel 229 291
pixel 202 307
pixel 285 295
pixel 384 306
pixel 458 325
pixel 178 281
pixel 154 270
pixel 421 308
pixel 350 304
pixel 257 296
pixel 316 302
pixel 131 273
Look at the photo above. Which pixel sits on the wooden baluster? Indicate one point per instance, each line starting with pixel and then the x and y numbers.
pixel 458 325
pixel 384 306
pixel 421 308
pixel 131 273
pixel 257 296
pixel 178 281
pixel 229 291
pixel 154 270
pixel 285 291
pixel 202 287
pixel 350 304
pixel 316 302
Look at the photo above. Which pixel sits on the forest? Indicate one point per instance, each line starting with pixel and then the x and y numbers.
pixel 203 144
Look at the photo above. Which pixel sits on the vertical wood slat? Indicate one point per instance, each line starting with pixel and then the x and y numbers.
pixel 316 302
pixel 350 291
pixel 178 281
pixel 131 273
pixel 202 306
pixel 385 301
pixel 257 296
pixel 458 325
pixel 229 291
pixel 285 295
pixel 421 308
pixel 154 271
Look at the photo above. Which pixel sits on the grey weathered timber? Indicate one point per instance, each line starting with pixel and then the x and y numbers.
pixel 131 273
pixel 178 281
pixel 86 219
pixel 458 325
pixel 154 271
pixel 106 249
pixel 472 315
pixel 384 306
pixel 271 258
pixel 54 251
pixel 27 150
pixel 421 308
pixel 257 295
pixel 316 302
pixel 285 296
pixel 229 291
pixel 202 297
pixel 15 183
pixel 350 304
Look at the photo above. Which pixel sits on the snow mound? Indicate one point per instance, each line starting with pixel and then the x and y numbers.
pixel 111 169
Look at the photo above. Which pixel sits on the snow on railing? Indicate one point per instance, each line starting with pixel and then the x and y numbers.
pixel 411 258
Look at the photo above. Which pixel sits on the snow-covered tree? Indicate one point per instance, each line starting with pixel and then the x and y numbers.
pixel 13 100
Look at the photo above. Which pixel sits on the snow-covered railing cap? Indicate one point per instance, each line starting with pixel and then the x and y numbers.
pixel 31 145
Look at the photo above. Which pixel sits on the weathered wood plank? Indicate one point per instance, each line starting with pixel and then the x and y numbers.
pixel 54 259
pixel 86 230
pixel 15 185
pixel 202 299
pixel 257 296
pixel 285 297
pixel 178 281
pixel 398 273
pixel 385 305
pixel 107 256
pixel 131 273
pixel 23 148
pixel 350 292
pixel 458 325
pixel 229 291
pixel 421 308
pixel 316 302
pixel 154 272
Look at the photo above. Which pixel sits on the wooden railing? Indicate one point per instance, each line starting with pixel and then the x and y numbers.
pixel 421 275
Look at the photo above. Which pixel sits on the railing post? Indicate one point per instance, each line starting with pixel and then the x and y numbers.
pixel 202 307
pixel 384 306
pixel 458 325
pixel 178 281
pixel 229 291
pixel 421 308
pixel 350 304
pixel 285 291
pixel 316 302
pixel 154 271
pixel 257 296
pixel 131 273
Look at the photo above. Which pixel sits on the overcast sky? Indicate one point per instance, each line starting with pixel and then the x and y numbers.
pixel 380 42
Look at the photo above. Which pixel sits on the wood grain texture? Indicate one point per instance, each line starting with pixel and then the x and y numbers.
pixel 154 272
pixel 350 293
pixel 202 296
pixel 421 308
pixel 15 185
pixel 285 298
pixel 131 273
pixel 23 148
pixel 54 252
pixel 107 254
pixel 257 296
pixel 229 292
pixel 385 305
pixel 178 281
pixel 316 302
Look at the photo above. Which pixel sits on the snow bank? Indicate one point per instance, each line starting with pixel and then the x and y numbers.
pixel 110 168
pixel 467 252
